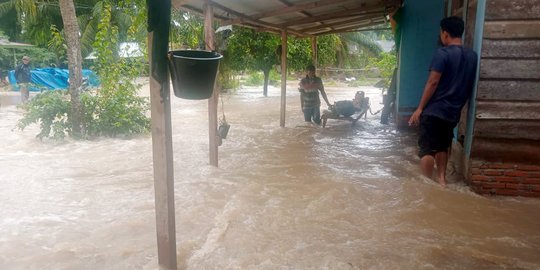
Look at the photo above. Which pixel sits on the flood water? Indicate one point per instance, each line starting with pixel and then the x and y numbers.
pixel 299 197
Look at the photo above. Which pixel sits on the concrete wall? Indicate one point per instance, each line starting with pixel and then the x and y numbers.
pixel 419 38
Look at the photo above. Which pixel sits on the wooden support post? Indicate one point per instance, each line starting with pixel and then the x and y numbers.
pixel 283 76
pixel 314 54
pixel 213 101
pixel 163 167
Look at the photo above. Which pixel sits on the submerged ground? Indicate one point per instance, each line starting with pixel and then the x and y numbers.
pixel 299 197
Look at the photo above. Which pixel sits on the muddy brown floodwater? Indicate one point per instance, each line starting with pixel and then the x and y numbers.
pixel 299 197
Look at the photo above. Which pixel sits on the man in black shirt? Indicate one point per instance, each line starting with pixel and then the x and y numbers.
pixel 449 85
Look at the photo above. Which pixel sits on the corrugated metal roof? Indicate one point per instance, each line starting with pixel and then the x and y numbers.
pixel 298 17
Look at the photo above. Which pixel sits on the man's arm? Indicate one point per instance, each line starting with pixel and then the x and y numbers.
pixel 429 89
pixel 323 94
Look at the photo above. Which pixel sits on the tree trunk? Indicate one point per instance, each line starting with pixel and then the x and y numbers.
pixel 266 77
pixel 71 30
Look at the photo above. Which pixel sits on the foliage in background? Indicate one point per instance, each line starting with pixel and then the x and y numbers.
pixel 255 51
pixel 385 63
pixel 10 58
pixel 40 22
pixel 52 110
pixel 187 30
pixel 115 109
pixel 118 109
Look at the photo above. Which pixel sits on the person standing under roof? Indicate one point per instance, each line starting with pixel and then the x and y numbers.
pixel 449 85
pixel 309 88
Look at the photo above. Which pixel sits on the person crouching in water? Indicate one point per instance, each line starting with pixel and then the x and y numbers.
pixel 346 108
pixel 310 86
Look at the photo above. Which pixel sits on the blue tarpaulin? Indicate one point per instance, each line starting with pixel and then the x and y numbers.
pixel 52 78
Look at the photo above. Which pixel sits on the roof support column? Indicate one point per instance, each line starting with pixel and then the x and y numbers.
pixel 213 101
pixel 314 52
pixel 283 76
pixel 162 151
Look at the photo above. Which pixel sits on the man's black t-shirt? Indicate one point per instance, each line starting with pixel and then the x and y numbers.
pixel 458 68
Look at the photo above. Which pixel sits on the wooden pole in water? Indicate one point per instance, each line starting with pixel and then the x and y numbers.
pixel 283 76
pixel 163 166
pixel 314 54
pixel 213 101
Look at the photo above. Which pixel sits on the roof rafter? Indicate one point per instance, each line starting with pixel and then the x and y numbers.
pixel 296 8
pixel 334 15
pixel 349 29
pixel 245 19
pixel 356 19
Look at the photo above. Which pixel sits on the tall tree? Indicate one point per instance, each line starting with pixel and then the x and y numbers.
pixel 71 30
pixel 253 50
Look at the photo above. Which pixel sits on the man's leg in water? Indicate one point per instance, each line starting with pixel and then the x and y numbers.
pixel 426 165
pixel 441 159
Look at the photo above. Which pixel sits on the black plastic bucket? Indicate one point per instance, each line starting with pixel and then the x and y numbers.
pixel 193 73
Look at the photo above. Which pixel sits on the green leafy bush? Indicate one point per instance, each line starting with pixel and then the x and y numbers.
pixel 386 64
pixel 103 114
pixel 255 78
pixel 115 109
pixel 275 78
pixel 52 111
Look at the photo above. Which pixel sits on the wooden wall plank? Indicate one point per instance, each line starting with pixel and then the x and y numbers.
pixel 506 150
pixel 509 90
pixel 511 29
pixel 512 9
pixel 511 48
pixel 509 69
pixel 507 129
pixel 507 110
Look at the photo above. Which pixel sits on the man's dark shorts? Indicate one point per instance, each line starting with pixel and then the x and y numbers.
pixel 435 135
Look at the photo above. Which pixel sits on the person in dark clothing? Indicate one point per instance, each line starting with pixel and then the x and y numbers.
pixel 389 100
pixel 22 75
pixel 310 86
pixel 449 85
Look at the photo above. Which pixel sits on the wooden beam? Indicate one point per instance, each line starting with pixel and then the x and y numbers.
pixel 296 8
pixel 334 15
pixel 512 29
pixel 510 110
pixel 245 18
pixel 329 24
pixel 340 24
pixel 507 129
pixel 163 164
pixel 178 4
pixel 516 90
pixel 213 101
pixel 510 69
pixel 367 30
pixel 505 150
pixel 349 29
pixel 283 77
pixel 512 9
pixel 289 4
pixel 200 12
pixel 511 48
